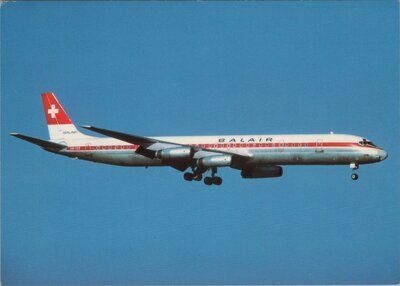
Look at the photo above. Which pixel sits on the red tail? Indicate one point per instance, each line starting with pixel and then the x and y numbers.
pixel 59 124
pixel 55 113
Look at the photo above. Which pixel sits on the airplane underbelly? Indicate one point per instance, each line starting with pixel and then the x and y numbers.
pixel 307 157
pixel 260 157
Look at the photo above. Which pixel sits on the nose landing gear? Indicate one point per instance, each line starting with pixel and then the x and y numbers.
pixel 354 166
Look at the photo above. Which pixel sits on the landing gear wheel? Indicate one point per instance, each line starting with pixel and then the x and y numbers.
pixel 197 177
pixel 217 181
pixel 354 176
pixel 208 181
pixel 188 176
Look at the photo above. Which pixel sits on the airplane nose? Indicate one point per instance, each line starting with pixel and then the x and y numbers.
pixel 383 155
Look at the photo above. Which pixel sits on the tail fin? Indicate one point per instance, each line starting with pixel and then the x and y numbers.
pixel 59 124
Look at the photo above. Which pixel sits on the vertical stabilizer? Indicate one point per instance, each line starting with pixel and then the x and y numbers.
pixel 59 124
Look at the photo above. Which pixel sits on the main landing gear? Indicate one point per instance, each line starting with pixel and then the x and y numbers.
pixel 197 176
pixel 191 177
pixel 354 166
pixel 213 179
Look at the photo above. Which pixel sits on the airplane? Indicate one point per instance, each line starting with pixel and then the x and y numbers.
pixel 256 156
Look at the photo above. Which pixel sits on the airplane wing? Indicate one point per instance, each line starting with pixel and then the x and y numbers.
pixel 148 146
pixel 42 143
pixel 144 142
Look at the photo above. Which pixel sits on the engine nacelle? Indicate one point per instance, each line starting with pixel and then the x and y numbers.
pixel 262 172
pixel 215 161
pixel 176 154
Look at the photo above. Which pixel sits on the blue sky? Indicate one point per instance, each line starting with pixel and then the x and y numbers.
pixel 200 68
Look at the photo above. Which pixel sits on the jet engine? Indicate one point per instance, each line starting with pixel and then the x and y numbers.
pixel 215 161
pixel 178 153
pixel 262 172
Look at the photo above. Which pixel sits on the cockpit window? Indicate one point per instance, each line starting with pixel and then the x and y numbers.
pixel 365 142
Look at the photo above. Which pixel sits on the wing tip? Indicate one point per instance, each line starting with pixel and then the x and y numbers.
pixel 86 126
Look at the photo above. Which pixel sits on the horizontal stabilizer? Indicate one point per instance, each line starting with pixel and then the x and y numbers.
pixel 42 143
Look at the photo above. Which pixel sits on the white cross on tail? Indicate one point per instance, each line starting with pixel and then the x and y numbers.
pixel 53 111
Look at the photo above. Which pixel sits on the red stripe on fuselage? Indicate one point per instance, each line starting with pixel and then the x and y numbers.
pixel 230 145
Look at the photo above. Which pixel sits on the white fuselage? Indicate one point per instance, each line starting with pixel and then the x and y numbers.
pixel 257 156
pixel 313 149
